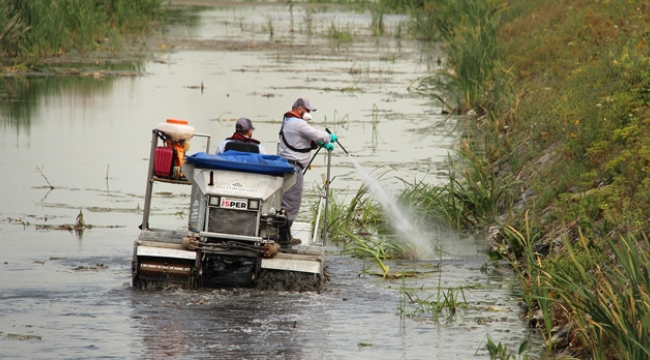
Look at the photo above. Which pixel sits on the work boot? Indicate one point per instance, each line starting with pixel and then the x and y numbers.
pixel 295 241
pixel 284 239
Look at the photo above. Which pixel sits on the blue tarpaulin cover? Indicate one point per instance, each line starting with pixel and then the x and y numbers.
pixel 266 164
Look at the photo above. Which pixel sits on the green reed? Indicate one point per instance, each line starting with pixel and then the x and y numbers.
pixel 448 301
pixel 268 27
pixel 599 290
pixel 520 246
pixel 469 199
pixel 500 351
pixel 377 12
pixel 360 216
pixel 610 300
pixel 468 31
pixel 374 249
pixel 339 34
pixel 43 28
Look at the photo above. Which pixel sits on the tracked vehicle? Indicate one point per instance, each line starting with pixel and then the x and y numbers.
pixel 237 233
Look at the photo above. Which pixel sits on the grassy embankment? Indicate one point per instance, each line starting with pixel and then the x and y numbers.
pixel 559 157
pixel 583 92
pixel 40 28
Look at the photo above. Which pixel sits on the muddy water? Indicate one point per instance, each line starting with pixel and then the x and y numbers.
pixel 80 144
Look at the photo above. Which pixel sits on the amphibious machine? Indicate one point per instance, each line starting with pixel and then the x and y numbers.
pixel 237 233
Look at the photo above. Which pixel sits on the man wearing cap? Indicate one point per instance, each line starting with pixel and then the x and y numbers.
pixel 242 139
pixel 297 140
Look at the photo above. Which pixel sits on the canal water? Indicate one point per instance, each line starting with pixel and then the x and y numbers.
pixel 78 145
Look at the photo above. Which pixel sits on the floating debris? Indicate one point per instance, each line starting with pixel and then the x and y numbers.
pixel 97 267
pixel 23 337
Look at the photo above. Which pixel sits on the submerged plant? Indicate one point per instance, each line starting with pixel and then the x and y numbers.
pixel 450 301
pixel 339 35
pixel 268 27
pixel 376 250
pixel 500 351
pixel 377 12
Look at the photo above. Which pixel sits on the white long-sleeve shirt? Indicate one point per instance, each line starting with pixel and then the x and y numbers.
pixel 299 134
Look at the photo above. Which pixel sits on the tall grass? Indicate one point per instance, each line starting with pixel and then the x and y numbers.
pixel 42 27
pixel 360 216
pixel 12 29
pixel 610 301
pixel 520 253
pixel 467 30
pixel 599 292
pixel 377 12
pixel 268 27
pixel 470 198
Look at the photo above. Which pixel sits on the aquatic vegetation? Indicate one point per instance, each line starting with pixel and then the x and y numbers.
pixel 362 229
pixel 376 250
pixel 609 301
pixel 339 34
pixel 597 300
pixel 44 28
pixel 401 6
pixel 449 301
pixel 471 197
pixel 42 173
pixel 359 216
pixel 377 12
pixel 500 351
pixel 467 30
pixel 268 26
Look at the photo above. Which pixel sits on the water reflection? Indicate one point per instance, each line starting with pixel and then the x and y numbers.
pixel 21 97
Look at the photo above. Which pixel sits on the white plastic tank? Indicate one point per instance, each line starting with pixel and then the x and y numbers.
pixel 178 130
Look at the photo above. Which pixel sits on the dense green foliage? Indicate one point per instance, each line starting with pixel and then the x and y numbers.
pixel 39 28
pixel 582 113
pixel 565 99
pixel 587 99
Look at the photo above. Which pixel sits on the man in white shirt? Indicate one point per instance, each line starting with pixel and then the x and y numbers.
pixel 297 140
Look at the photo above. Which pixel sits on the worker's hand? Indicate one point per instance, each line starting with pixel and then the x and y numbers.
pixel 333 137
pixel 329 147
pixel 320 144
